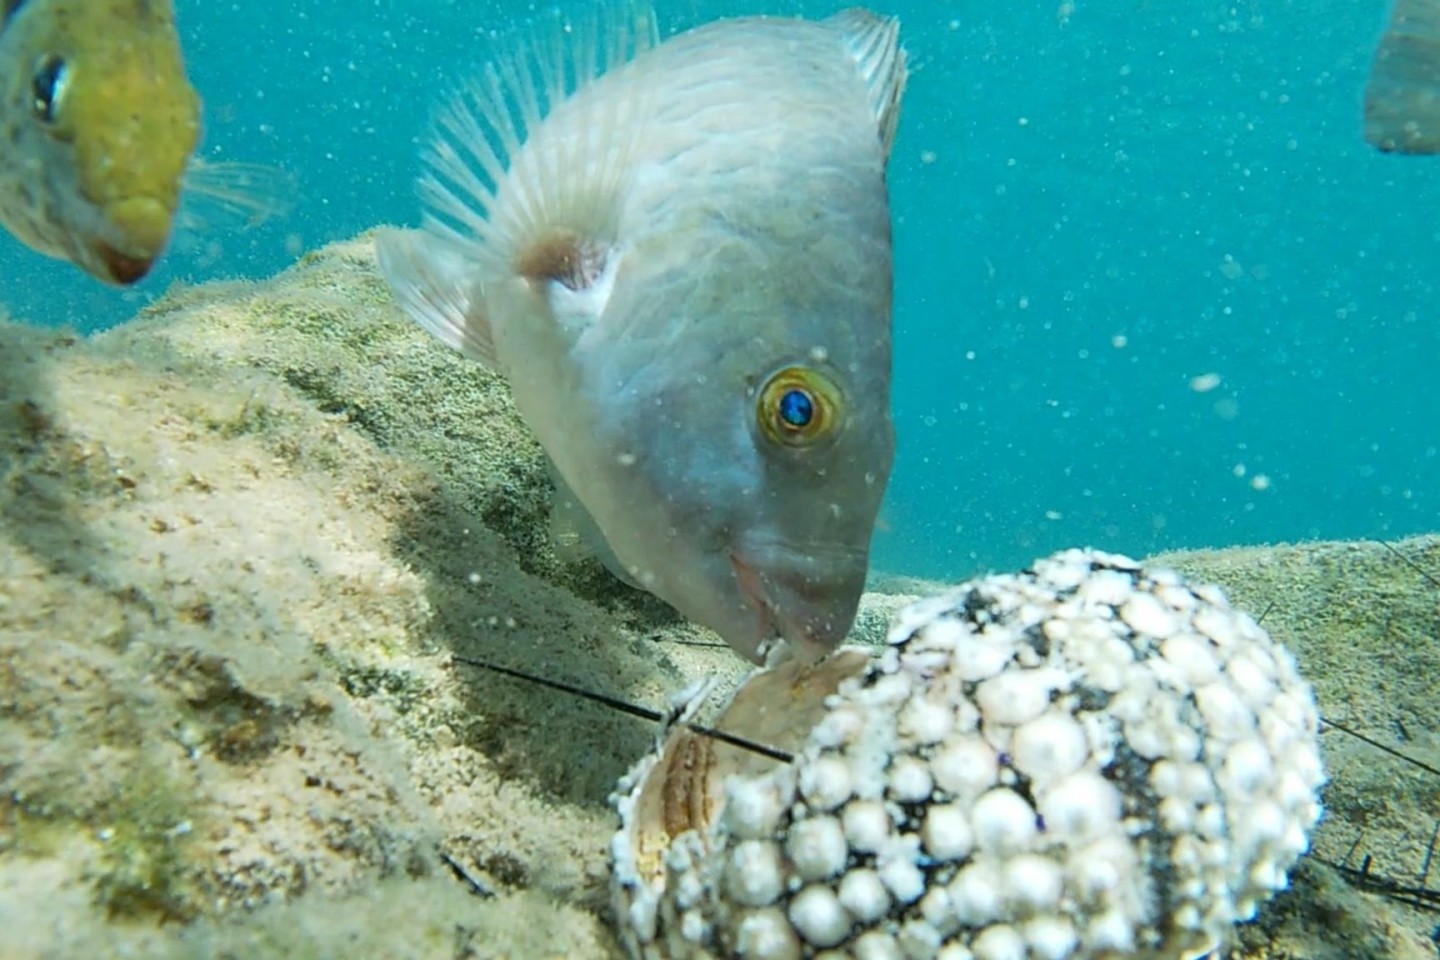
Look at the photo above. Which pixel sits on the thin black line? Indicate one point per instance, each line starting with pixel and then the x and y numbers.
pixel 1266 612
pixel 476 885
pixel 624 706
pixel 1380 746
pixel 1355 845
pixel 1429 854
pixel 1435 581
pixel 1422 898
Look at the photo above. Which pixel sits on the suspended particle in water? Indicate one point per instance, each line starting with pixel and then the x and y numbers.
pixel 1205 382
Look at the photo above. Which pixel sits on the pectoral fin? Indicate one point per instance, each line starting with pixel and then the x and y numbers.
pixel 432 283
pixel 576 536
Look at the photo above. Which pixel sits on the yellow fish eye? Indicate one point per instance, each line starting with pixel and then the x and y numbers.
pixel 799 406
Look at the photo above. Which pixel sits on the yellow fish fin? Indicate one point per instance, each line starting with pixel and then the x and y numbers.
pixel 874 42
pixel 563 190
pixel 432 284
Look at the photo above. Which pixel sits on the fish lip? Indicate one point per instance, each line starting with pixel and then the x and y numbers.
pixel 809 638
pixel 133 231
pixel 753 589
pixel 121 267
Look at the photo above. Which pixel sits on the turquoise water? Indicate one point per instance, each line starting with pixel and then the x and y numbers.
pixel 1098 217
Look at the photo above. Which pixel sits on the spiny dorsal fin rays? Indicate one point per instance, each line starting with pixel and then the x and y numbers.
pixel 431 282
pixel 571 181
pixel 875 44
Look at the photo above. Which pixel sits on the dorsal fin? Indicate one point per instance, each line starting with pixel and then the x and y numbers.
pixel 875 44
pixel 568 188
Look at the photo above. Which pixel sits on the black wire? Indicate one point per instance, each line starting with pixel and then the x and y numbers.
pixel 624 706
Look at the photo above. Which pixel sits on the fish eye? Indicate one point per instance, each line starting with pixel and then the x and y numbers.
pixel 798 407
pixel 47 86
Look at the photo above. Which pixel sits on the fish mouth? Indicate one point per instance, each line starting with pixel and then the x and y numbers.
pixel 121 267
pixel 136 230
pixel 808 600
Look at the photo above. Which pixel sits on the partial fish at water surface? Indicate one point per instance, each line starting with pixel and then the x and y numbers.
pixel 1402 97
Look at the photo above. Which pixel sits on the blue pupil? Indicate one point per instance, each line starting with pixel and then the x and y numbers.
pixel 796 408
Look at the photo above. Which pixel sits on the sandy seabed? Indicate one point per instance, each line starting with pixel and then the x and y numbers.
pixel 243 540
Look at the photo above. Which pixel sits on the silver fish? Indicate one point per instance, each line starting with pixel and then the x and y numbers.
pixel 1402 96
pixel 679 257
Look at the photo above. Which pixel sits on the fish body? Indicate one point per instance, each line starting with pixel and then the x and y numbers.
pixel 99 123
pixel 1402 95
pixel 682 265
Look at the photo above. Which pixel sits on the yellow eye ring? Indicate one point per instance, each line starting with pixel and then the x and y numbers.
pixel 798 407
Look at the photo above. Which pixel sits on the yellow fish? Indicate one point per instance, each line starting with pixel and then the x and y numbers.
pixel 100 123
pixel 679 256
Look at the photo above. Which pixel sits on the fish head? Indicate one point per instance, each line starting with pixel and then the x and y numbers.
pixel 757 468
pixel 106 121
